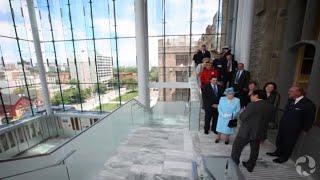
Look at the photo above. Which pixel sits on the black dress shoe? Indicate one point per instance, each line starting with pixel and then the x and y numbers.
pixel 247 166
pixel 206 132
pixel 215 132
pixel 226 142
pixel 217 140
pixel 273 154
pixel 280 160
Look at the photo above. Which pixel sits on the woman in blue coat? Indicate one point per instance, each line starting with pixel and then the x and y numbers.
pixel 228 108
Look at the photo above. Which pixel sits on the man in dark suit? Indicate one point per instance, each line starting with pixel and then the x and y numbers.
pixel 230 66
pixel 297 119
pixel 254 123
pixel 211 94
pixel 202 53
pixel 240 82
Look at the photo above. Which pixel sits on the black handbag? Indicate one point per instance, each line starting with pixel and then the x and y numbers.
pixel 233 122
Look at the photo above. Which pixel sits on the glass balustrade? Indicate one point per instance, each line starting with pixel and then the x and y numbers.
pixel 92 147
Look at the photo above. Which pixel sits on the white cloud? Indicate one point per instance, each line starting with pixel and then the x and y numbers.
pixel 6 28
pixel 125 27
pixel 4 6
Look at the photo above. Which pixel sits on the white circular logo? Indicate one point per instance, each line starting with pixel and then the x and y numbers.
pixel 305 165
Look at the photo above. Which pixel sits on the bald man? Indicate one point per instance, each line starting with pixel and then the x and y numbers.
pixel 298 118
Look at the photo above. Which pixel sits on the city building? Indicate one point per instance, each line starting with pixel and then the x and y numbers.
pixel 87 73
pixel 64 77
pixel 105 68
pixel 174 63
pixel 14 76
pixel 129 75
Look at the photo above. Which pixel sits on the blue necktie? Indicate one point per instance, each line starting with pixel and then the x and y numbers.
pixel 215 90
pixel 237 77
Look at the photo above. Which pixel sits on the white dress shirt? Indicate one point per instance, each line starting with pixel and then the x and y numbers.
pixel 229 64
pixel 298 99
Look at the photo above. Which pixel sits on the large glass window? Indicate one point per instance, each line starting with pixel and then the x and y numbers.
pixel 177 29
pixel 89 50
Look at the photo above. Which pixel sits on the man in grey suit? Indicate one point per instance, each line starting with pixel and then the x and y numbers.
pixel 253 129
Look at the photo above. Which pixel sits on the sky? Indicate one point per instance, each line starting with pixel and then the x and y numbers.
pixel 177 14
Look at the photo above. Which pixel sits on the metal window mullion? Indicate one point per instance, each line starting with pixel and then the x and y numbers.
pixel 164 47
pixel 9 37
pixel 20 55
pixel 4 107
pixel 25 24
pixel 190 34
pixel 117 56
pixel 4 70
pixel 110 37
pixel 227 23
pixel 55 54
pixel 218 19
pixel 74 53
pixel 95 54
pixel 87 39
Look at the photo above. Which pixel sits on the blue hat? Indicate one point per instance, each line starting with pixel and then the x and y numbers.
pixel 229 91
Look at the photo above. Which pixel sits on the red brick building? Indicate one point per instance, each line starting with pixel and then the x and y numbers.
pixel 15 105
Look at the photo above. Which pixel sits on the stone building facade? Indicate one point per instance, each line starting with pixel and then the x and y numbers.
pixel 174 62
pixel 285 48
pixel 266 40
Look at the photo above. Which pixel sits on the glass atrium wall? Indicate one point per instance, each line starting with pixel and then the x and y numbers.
pixel 89 52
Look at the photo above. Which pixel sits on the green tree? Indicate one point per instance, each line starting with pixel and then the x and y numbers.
pixel 130 83
pixel 71 96
pixel 56 99
pixel 102 88
pixel 86 93
pixel 154 74
pixel 129 69
pixel 19 91
pixel 73 81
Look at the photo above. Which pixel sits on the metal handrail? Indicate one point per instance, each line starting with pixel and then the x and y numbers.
pixel 58 163
pixel 69 140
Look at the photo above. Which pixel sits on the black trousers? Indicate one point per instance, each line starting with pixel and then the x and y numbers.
pixel 237 147
pixel 210 114
pixel 286 142
pixel 227 79
pixel 242 95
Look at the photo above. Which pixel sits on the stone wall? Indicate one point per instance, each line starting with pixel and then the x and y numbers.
pixel 266 41
pixel 279 29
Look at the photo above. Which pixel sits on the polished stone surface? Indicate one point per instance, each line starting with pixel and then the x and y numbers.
pixel 165 149
pixel 162 149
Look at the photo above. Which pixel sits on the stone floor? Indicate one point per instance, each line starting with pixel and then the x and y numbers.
pixel 165 150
